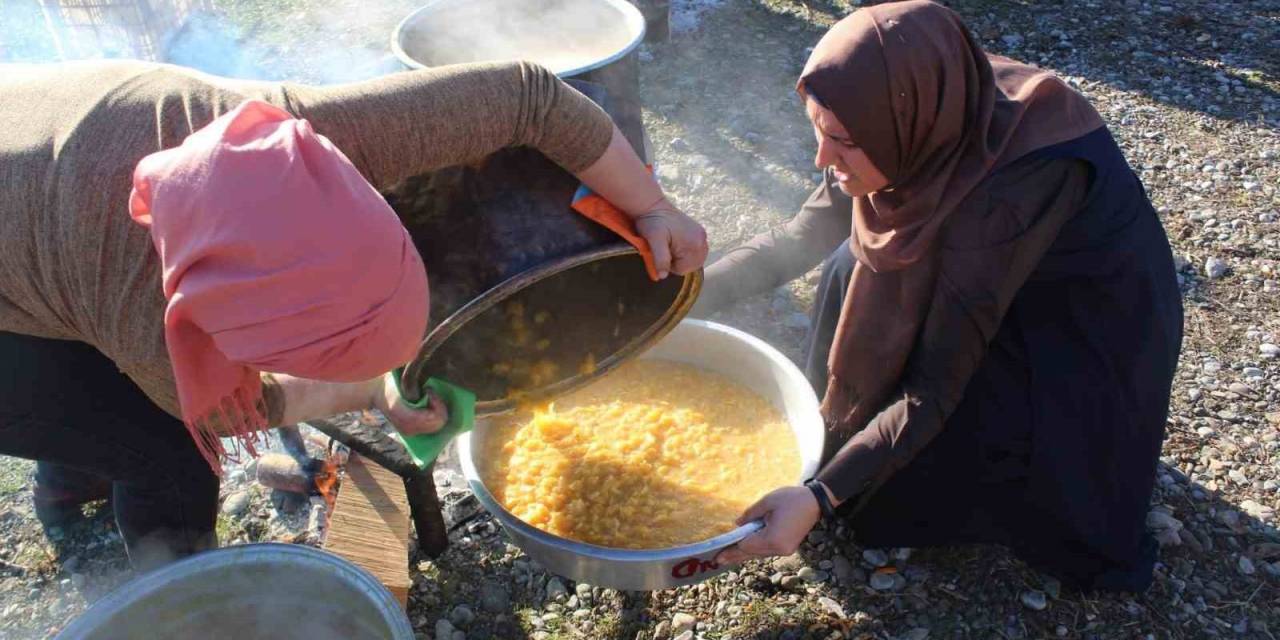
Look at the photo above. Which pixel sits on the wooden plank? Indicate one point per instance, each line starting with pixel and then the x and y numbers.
pixel 370 525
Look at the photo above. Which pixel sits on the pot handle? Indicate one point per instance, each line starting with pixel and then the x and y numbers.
pixel 461 403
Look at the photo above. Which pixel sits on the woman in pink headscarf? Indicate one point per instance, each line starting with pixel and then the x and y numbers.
pixel 185 258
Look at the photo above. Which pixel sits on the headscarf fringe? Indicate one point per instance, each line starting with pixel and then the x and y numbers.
pixel 233 419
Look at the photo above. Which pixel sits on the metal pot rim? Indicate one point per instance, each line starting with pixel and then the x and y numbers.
pixel 690 287
pixel 631 14
pixel 164 578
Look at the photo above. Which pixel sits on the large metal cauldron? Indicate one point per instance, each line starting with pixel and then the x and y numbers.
pixel 248 592
pixel 591 40
pixel 741 357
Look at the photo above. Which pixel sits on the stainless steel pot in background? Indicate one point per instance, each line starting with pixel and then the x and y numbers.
pixel 591 40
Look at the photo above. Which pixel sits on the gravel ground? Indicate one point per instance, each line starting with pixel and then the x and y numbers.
pixel 1191 90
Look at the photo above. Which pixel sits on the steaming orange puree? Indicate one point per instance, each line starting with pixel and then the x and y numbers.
pixel 653 455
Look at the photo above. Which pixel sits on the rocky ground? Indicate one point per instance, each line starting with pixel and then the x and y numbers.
pixel 1191 90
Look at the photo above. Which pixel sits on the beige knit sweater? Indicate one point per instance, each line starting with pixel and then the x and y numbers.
pixel 73 265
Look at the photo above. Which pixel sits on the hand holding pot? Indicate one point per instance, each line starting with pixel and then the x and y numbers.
pixel 406 419
pixel 789 514
pixel 679 244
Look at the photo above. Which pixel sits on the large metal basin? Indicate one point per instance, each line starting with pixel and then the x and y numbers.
pixel 741 357
pixel 248 592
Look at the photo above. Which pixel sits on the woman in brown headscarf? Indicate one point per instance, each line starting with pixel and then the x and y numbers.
pixel 997 338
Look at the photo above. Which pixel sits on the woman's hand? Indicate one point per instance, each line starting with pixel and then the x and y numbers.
pixel 789 514
pixel 679 244
pixel 408 420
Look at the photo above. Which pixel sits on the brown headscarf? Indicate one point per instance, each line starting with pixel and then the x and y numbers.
pixel 936 115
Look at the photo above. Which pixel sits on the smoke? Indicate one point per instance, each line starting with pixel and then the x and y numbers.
pixel 213 45
pixel 559 34
pixel 319 41
pixel 318 47
pixel 334 41
pixel 24 36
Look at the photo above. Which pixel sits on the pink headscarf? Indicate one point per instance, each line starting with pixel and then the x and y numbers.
pixel 278 256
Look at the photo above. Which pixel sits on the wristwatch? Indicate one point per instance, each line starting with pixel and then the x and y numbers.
pixel 820 493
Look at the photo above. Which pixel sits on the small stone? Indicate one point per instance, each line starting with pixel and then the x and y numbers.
pixel 1229 518
pixel 882 581
pixel 1168 538
pixel 236 503
pixel 1157 520
pixel 842 569
pixel 494 598
pixel 462 616
pixel 832 607
pixel 809 574
pixel 1034 600
pixel 556 590
pixel 682 622
pixel 1215 268
pixel 790 582
pixel 1253 373
pixel 1205 432
pixel 1256 510
pixel 918 633
pixel 875 557
pixel 789 563
pixel 1061 631
pixel 660 631
pixel 685 635
pixel 584 592
pixel 1240 389
pixel 444 629
pixel 1268 350
pixel 1245 565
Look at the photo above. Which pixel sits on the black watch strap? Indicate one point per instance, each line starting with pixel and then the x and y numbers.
pixel 820 493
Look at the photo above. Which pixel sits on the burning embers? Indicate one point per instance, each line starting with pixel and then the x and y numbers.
pixel 298 471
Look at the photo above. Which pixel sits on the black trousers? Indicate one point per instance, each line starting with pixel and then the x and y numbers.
pixel 969 485
pixel 68 407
